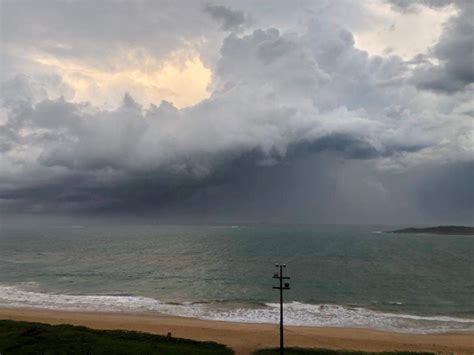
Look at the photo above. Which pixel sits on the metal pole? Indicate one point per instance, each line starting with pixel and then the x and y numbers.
pixel 282 347
pixel 281 287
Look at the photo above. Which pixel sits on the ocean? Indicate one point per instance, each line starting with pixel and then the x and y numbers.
pixel 341 275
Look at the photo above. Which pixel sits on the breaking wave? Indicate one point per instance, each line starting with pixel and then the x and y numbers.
pixel 296 313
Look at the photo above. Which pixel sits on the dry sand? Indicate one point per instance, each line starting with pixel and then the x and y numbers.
pixel 244 338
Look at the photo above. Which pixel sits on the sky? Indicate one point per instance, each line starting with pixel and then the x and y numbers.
pixel 328 111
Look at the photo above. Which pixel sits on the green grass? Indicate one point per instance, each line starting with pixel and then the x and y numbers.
pixel 36 338
pixel 302 351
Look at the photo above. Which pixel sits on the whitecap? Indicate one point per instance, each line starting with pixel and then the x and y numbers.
pixel 296 313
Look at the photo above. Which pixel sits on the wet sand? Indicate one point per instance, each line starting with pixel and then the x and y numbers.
pixel 244 337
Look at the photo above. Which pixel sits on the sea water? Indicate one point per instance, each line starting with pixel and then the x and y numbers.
pixel 341 276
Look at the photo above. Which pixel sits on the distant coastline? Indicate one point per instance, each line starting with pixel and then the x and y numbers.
pixel 444 230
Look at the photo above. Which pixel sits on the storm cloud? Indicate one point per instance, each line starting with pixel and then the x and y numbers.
pixel 454 53
pixel 299 124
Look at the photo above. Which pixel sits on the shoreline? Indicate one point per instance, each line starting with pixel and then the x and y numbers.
pixel 322 315
pixel 247 337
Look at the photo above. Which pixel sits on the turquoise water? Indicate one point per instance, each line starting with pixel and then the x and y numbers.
pixel 341 275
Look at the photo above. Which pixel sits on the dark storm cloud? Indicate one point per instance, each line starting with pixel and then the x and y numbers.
pixel 98 166
pixel 300 126
pixel 314 188
pixel 349 147
pixel 327 188
pixel 445 192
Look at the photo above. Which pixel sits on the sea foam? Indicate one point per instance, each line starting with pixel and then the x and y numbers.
pixel 296 313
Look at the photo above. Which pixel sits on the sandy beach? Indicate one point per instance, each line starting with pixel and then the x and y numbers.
pixel 244 338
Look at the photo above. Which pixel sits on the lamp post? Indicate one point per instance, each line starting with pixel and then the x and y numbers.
pixel 281 287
